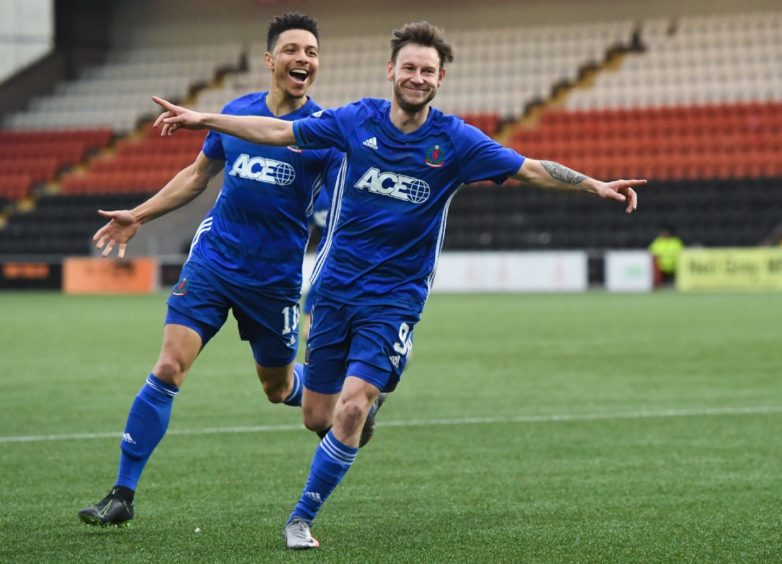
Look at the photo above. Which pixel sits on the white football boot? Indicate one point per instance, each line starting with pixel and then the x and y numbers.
pixel 298 536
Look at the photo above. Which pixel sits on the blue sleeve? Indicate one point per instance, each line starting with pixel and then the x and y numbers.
pixel 213 146
pixel 482 158
pixel 324 129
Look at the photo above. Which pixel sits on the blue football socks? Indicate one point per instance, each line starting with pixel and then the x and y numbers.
pixel 146 425
pixel 294 398
pixel 331 462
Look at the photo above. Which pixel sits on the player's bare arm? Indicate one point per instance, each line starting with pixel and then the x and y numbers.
pixel 554 176
pixel 256 129
pixel 184 187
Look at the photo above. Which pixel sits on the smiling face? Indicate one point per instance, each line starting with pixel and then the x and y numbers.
pixel 293 62
pixel 416 75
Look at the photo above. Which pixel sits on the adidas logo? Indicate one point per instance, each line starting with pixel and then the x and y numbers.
pixel 314 496
pixel 371 143
pixel 395 360
pixel 126 438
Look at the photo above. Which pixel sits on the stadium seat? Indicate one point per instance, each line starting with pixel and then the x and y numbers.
pixel 698 111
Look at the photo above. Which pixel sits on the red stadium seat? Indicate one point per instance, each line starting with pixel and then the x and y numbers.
pixel 695 141
pixel 15 186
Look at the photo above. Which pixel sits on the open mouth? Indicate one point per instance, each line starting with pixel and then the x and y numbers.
pixel 299 75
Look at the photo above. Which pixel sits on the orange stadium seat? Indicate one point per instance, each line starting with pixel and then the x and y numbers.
pixel 133 162
pixel 138 166
pixel 37 168
pixel 15 186
pixel 489 123
pixel 40 155
pixel 128 182
pixel 693 141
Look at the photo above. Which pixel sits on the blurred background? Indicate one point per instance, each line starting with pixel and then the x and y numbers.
pixel 687 95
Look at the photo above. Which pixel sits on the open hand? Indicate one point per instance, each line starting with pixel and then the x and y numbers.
pixel 118 231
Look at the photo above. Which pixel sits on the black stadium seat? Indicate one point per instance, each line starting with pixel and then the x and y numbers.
pixel 709 213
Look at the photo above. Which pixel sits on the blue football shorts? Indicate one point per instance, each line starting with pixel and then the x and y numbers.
pixel 200 300
pixel 369 342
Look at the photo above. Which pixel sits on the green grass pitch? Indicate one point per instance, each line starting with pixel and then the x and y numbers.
pixel 528 428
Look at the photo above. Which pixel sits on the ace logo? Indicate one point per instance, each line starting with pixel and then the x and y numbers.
pixel 263 170
pixel 394 185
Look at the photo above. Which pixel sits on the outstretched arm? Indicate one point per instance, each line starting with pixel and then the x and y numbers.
pixel 554 176
pixel 257 129
pixel 184 187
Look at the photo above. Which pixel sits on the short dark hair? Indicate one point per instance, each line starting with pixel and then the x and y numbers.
pixel 422 33
pixel 287 21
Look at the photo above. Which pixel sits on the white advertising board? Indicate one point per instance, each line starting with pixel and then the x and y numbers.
pixel 564 271
pixel 628 271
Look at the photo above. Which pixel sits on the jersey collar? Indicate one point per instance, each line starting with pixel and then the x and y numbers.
pixel 414 136
pixel 305 110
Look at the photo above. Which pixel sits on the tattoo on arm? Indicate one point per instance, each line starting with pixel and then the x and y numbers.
pixel 563 173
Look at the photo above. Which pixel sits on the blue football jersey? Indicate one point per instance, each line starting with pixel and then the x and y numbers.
pixel 256 232
pixel 391 198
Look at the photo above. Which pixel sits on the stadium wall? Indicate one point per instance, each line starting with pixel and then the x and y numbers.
pixel 83 31
pixel 163 22
pixel 34 80
pixel 81 34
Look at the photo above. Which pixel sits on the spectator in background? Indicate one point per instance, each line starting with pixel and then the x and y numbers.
pixel 665 251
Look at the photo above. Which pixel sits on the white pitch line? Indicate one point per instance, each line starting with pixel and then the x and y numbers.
pixel 553 418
